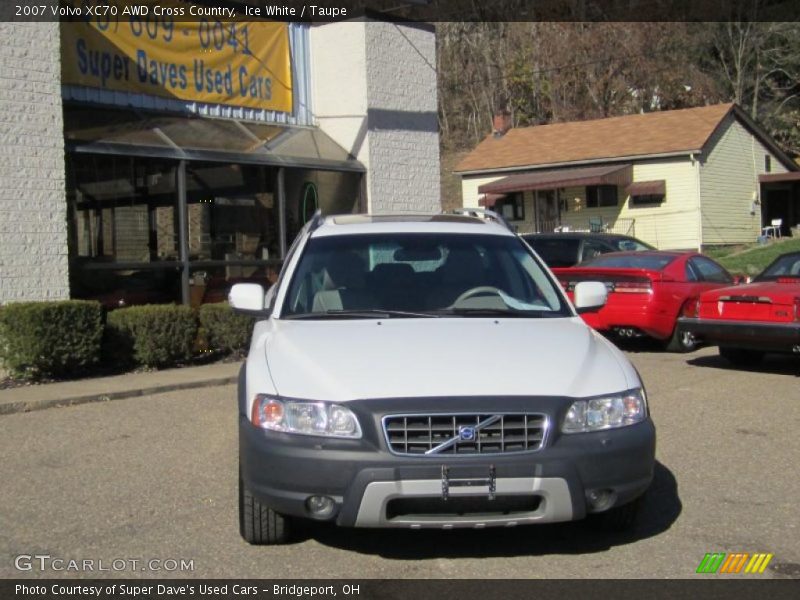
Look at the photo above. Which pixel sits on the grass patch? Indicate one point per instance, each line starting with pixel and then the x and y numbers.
pixel 719 252
pixel 753 261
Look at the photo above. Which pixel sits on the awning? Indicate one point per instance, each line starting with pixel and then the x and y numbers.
pixel 657 187
pixel 136 133
pixel 619 175
pixel 779 177
pixel 489 200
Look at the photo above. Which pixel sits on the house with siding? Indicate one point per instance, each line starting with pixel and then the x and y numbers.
pixel 679 179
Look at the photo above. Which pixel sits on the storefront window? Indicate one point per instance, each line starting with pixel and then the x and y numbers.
pixel 123 210
pixel 125 225
pixel 126 287
pixel 307 190
pixel 232 212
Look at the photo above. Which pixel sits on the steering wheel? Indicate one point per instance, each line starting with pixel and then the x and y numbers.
pixel 477 291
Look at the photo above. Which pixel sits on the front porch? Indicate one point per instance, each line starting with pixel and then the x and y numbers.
pixel 780 203
pixel 577 199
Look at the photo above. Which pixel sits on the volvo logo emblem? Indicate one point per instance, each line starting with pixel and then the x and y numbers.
pixel 466 434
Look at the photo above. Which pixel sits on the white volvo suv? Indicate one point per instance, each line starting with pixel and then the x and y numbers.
pixel 428 371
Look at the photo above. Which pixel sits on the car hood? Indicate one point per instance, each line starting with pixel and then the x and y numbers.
pixel 778 292
pixel 349 360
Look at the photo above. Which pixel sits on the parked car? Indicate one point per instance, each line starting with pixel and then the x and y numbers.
pixel 428 371
pixel 571 248
pixel 647 291
pixel 749 320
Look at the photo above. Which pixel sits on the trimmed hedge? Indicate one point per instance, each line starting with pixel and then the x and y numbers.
pixel 155 335
pixel 46 339
pixel 224 330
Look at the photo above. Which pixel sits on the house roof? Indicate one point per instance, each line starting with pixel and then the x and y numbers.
pixel 641 135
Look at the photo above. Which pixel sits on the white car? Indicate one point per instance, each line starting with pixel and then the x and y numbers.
pixel 428 371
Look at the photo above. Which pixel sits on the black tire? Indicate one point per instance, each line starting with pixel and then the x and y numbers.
pixel 259 524
pixel 618 519
pixel 682 341
pixel 741 357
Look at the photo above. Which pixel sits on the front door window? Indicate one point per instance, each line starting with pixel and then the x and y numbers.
pixel 546 210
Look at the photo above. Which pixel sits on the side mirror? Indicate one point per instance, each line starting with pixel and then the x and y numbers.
pixel 590 296
pixel 247 298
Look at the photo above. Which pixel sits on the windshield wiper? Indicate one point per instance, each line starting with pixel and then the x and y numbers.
pixel 366 313
pixel 498 312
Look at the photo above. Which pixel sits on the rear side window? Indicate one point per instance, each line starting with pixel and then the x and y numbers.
pixel 554 252
pixel 710 271
pixel 593 249
pixel 652 262
pixel 783 266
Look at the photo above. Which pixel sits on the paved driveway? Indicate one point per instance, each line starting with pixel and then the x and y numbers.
pixel 155 478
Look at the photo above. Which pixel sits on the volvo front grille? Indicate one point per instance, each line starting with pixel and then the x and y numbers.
pixel 464 434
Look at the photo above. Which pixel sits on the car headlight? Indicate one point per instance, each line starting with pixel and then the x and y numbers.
pixel 303 417
pixel 606 412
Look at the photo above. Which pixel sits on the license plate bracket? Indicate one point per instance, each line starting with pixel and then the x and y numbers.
pixel 448 482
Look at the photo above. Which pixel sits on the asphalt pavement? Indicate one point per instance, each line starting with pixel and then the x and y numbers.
pixel 153 478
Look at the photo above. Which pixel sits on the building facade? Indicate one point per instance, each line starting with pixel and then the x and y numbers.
pixel 141 165
pixel 679 179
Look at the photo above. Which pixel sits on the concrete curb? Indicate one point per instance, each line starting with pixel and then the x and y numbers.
pixel 23 406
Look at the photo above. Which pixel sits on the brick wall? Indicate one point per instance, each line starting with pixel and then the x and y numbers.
pixel 33 228
pixel 374 89
pixel 402 116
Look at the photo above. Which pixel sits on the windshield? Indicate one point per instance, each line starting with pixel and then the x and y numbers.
pixel 629 244
pixel 787 265
pixel 556 252
pixel 651 262
pixel 420 275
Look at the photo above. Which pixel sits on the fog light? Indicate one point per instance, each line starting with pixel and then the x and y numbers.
pixel 320 506
pixel 600 499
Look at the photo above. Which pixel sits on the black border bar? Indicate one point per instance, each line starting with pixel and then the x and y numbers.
pixel 310 11
pixel 704 586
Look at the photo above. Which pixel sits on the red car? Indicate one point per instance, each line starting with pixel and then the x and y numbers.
pixel 749 320
pixel 647 291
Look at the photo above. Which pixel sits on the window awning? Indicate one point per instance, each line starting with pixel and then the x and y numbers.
pixel 657 187
pixel 135 133
pixel 620 175
pixel 489 200
pixel 779 177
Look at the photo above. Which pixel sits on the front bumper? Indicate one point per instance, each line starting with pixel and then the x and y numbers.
pixel 369 485
pixel 751 335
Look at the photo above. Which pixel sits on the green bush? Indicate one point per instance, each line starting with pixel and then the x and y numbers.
pixel 46 339
pixel 156 335
pixel 224 330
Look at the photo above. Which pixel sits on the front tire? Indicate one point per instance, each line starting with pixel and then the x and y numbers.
pixel 741 357
pixel 259 524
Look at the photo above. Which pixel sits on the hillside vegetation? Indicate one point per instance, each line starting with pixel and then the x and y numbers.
pixel 754 260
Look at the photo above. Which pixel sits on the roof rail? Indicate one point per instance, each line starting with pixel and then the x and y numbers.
pixel 483 213
pixel 315 221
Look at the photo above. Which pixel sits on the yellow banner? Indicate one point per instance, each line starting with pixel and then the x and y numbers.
pixel 167 50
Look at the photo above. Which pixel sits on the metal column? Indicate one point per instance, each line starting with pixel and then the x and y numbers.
pixel 183 231
pixel 281 189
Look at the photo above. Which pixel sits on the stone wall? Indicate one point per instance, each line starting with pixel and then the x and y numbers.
pixel 33 227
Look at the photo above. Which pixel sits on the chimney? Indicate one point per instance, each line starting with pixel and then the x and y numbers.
pixel 501 122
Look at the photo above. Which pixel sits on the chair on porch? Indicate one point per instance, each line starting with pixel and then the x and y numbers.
pixel 596 225
pixel 774 229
